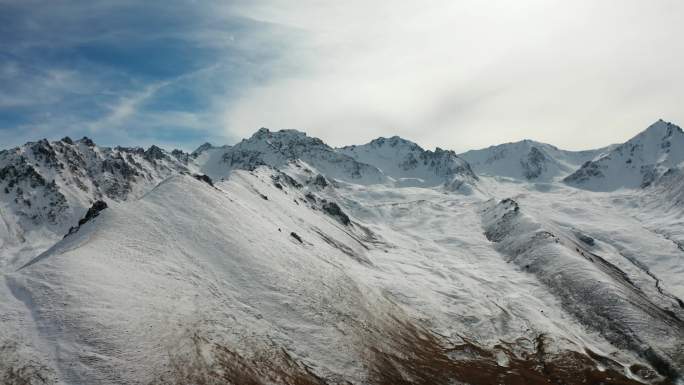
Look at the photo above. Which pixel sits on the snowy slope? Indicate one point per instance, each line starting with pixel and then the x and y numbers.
pixel 598 292
pixel 637 163
pixel 410 165
pixel 528 160
pixel 126 284
pixel 45 187
pixel 108 302
pixel 303 264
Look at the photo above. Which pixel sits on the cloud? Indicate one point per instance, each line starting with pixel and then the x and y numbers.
pixel 128 72
pixel 455 74
pixel 465 74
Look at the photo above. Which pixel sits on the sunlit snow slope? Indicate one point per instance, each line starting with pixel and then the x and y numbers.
pixel 384 263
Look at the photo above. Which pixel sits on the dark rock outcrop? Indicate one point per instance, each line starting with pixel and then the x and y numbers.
pixel 154 153
pixel 92 212
pixel 297 237
pixel 204 178
pixel 334 210
pixel 320 181
pixel 87 141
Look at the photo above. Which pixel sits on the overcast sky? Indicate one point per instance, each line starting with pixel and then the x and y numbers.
pixel 458 74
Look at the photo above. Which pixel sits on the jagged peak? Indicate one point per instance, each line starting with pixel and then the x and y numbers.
pixel 284 136
pixel 67 140
pixel 393 142
pixel 154 152
pixel 265 132
pixel 203 147
pixel 661 127
pixel 87 141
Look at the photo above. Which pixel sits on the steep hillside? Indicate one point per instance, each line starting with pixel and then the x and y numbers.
pixel 570 267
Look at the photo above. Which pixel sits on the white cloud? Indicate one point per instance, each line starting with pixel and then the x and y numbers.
pixel 466 74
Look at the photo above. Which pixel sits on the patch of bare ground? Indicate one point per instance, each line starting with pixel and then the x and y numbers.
pixel 410 355
pixel 15 371
pixel 209 363
pixel 414 356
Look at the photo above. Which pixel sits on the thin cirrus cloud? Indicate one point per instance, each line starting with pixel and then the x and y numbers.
pixel 456 74
pixel 130 73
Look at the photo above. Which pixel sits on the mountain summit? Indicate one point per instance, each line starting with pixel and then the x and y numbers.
pixel 410 165
pixel 528 160
pixel 637 163
pixel 279 149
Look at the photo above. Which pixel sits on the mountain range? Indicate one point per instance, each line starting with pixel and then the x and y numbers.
pixel 283 260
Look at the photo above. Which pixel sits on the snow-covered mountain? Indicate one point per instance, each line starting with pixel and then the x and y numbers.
pixel 281 260
pixel 528 160
pixel 639 162
pixel 279 149
pixel 410 165
pixel 45 187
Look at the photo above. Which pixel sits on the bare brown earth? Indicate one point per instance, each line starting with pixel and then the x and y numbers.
pixel 413 356
pixel 14 371
pixel 403 354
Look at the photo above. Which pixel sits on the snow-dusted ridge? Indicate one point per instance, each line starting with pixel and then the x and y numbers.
pixel 410 165
pixel 282 260
pixel 638 163
pixel 45 187
pixel 529 160
pixel 279 148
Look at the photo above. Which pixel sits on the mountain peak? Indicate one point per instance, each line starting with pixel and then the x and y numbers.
pixel 279 149
pixel 264 132
pixel 527 159
pixel 410 165
pixel 662 128
pixel 636 163
pixel 393 141
pixel 87 141
pixel 203 147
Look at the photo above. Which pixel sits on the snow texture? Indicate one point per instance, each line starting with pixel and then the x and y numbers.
pixel 284 242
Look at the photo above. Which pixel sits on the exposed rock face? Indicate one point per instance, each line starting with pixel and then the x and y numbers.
pixel 204 178
pixel 334 210
pixel 587 172
pixel 280 178
pixel 154 153
pixel 535 164
pixel 87 141
pixel 320 181
pixel 181 156
pixel 92 212
pixel 51 183
pixel 67 140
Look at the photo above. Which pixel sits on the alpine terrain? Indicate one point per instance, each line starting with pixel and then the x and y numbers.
pixel 283 260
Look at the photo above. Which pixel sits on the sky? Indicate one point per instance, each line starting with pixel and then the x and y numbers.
pixel 456 74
